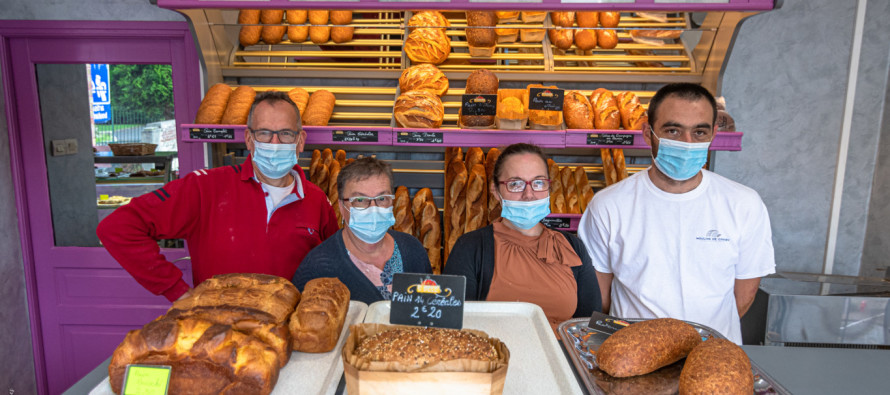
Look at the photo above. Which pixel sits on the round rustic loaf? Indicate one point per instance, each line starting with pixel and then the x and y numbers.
pixel 425 77
pixel 426 45
pixel 419 109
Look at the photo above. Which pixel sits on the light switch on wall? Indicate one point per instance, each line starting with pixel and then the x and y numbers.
pixel 71 146
pixel 59 147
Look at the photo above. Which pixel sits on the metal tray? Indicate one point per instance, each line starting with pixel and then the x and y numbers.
pixel 582 353
pixel 537 365
pixel 305 373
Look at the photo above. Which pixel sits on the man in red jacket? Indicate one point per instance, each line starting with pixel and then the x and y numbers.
pixel 259 217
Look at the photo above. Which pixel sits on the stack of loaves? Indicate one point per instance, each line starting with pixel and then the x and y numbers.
pixel 267 24
pixel 570 190
pixel 324 169
pixel 427 41
pixel 222 105
pixel 230 334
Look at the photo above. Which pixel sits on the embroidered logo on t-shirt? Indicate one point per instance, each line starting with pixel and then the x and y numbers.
pixel 712 235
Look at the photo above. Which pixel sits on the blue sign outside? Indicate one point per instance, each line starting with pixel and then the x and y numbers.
pixel 100 89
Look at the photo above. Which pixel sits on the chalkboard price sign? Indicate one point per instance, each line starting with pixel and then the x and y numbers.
pixel 212 133
pixel 610 139
pixel 548 99
pixel 605 323
pixel 355 136
pixel 557 222
pixel 428 300
pixel 419 137
pixel 479 105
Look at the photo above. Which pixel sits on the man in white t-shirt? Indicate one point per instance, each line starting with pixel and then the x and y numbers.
pixel 675 240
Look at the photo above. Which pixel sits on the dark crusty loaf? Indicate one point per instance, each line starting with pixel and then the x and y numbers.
pixel 425 346
pixel 271 294
pixel 646 346
pixel 717 366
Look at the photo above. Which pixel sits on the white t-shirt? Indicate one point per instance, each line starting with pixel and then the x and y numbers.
pixel 275 195
pixel 678 255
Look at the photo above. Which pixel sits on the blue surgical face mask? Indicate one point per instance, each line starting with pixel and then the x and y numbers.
pixel 680 160
pixel 525 214
pixel 274 160
pixel 370 224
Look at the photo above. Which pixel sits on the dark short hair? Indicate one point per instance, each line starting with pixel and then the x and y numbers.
pixel 273 97
pixel 682 90
pixel 362 169
pixel 515 149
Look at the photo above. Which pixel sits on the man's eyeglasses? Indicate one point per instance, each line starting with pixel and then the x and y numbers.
pixel 363 202
pixel 517 185
pixel 285 136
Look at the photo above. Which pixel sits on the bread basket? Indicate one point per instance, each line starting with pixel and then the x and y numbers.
pixel 132 149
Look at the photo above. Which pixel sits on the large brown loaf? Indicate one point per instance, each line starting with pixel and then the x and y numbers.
pixel 320 108
pixel 249 35
pixel 717 366
pixel 271 294
pixel 418 109
pixel 477 198
pixel 402 211
pixel 585 39
pixel 301 98
pixel 274 31
pixel 610 18
pixel 425 346
pixel 587 18
pixel 481 37
pixel 428 45
pixel 206 358
pixel 564 19
pixel 605 110
pixel 633 114
pixel 561 38
pixel 213 105
pixel 318 320
pixel 577 111
pixel 646 346
pixel 664 381
pixel 482 81
pixel 238 107
pixel 425 77
pixel 250 321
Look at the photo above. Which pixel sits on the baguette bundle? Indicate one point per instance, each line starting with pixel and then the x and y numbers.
pixel 402 211
pixel 567 178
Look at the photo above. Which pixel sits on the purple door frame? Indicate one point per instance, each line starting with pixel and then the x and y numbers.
pixel 22 45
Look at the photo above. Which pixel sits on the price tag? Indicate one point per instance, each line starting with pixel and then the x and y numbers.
pixel 146 380
pixel 419 137
pixel 354 136
pixel 610 139
pixel 548 99
pixel 212 133
pixel 606 323
pixel 428 300
pixel 479 105
pixel 557 222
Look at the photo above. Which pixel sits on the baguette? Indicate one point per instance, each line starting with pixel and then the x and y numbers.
pixel 474 157
pixel 477 198
pixel 717 366
pixel 318 320
pixel 430 234
pixel 340 156
pixel 273 33
pixel 645 346
pixel 620 164
pixel 422 196
pixel 238 106
pixel 323 180
pixel 451 154
pixel 327 156
pixel 457 194
pixel 609 174
pixel 585 193
pixel 319 108
pixel 573 205
pixel 213 105
pixel 314 166
pixel 402 211
pixel 577 111
pixel 557 196
pixel 605 110
pixel 249 35
pixel 333 192
pixel 494 205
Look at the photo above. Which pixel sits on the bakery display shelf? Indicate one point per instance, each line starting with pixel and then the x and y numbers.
pixel 305 373
pixel 537 364
pixel 592 138
pixel 452 137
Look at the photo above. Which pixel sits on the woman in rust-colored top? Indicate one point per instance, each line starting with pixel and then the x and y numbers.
pixel 517 258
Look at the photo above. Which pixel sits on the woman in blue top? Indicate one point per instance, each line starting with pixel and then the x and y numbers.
pixel 365 254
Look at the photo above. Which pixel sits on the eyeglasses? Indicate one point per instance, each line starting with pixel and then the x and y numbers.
pixel 285 136
pixel 517 185
pixel 363 202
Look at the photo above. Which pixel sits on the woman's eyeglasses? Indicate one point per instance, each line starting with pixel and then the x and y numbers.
pixel 517 185
pixel 363 202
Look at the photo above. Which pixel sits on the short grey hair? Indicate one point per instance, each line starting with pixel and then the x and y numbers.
pixel 363 169
pixel 273 97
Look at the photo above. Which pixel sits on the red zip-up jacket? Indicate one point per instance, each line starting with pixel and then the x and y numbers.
pixel 221 213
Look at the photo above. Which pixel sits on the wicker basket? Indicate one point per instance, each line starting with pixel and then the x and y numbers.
pixel 133 149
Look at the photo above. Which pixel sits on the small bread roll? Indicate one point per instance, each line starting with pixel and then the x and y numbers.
pixel 319 109
pixel 296 17
pixel 275 33
pixel 341 17
pixel 564 19
pixel 249 35
pixel 610 18
pixel 300 97
pixel 213 105
pixel 606 39
pixel 239 106
pixel 317 17
pixel 297 34
pixel 320 34
pixel 561 38
pixel 587 18
pixel 585 39
pixel 341 34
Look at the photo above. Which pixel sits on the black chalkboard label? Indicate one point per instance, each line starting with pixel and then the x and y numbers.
pixel 479 105
pixel 545 99
pixel 212 133
pixel 606 323
pixel 428 300
pixel 609 139
pixel 419 137
pixel 355 136
pixel 557 222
